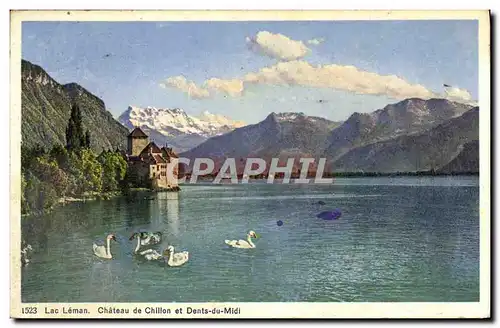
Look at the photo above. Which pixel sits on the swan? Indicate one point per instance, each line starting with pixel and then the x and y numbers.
pixel 149 254
pixel 24 254
pixel 147 238
pixel 243 243
pixel 175 259
pixel 104 251
pixel 153 238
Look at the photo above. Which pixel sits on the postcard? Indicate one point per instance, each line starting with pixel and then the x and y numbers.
pixel 250 164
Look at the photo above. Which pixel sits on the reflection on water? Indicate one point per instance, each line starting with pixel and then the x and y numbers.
pixel 392 243
pixel 172 203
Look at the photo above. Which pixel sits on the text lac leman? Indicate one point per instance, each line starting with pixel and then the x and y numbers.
pixel 66 310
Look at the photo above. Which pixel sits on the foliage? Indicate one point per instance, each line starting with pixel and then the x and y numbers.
pixel 114 168
pixel 47 170
pixel 38 195
pixel 74 170
pixel 76 138
pixel 91 169
pixel 61 156
pixel 49 175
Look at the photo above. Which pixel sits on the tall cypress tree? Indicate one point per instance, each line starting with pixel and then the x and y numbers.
pixel 75 137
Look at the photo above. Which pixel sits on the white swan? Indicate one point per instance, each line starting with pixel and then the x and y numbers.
pixel 24 254
pixel 175 259
pixel 243 243
pixel 104 251
pixel 149 254
pixel 147 238
pixel 151 238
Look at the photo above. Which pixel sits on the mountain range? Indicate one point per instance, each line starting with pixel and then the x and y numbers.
pixel 431 149
pixel 175 127
pixel 403 118
pixel 45 110
pixel 410 135
pixel 282 135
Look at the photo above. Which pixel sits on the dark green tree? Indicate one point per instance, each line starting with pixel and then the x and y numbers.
pixel 60 155
pixel 75 137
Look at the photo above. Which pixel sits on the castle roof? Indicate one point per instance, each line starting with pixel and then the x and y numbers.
pixel 137 133
pixel 169 151
pixel 134 158
pixel 152 159
pixel 151 148
pixel 159 159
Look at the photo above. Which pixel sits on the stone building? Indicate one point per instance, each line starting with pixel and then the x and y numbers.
pixel 148 164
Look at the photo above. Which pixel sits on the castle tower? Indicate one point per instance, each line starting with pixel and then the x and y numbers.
pixel 137 140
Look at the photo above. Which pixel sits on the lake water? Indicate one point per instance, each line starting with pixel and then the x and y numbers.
pixel 398 239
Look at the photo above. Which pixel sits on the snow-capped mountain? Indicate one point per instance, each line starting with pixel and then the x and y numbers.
pixel 280 135
pixel 411 135
pixel 175 127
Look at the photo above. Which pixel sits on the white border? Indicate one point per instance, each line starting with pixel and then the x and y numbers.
pixel 304 310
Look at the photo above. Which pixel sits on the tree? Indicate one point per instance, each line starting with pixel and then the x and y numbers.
pixel 114 169
pixel 29 154
pixel 85 172
pixel 47 171
pixel 75 137
pixel 38 195
pixel 60 155
pixel 92 171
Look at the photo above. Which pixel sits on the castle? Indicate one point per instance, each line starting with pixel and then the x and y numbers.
pixel 148 164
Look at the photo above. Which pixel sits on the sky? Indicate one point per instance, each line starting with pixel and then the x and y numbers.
pixel 246 70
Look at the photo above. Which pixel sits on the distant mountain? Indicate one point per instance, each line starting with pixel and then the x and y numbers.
pixel 175 127
pixel 466 161
pixel 406 117
pixel 432 149
pixel 45 110
pixel 283 135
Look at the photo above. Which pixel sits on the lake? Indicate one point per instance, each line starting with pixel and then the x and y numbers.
pixel 406 239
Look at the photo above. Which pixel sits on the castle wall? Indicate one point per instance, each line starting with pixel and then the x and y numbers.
pixel 154 175
pixel 173 167
pixel 138 173
pixel 136 145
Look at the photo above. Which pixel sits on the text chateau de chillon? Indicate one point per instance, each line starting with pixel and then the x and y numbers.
pixel 148 164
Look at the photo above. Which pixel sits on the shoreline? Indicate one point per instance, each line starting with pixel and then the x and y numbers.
pixel 66 200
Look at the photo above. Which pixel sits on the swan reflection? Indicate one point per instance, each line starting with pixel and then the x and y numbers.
pixel 172 200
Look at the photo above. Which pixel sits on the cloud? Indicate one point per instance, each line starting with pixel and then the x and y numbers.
pixel 337 77
pixel 189 87
pixel 293 71
pixel 458 95
pixel 302 73
pixel 316 41
pixel 231 87
pixel 277 46
pixel 346 78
